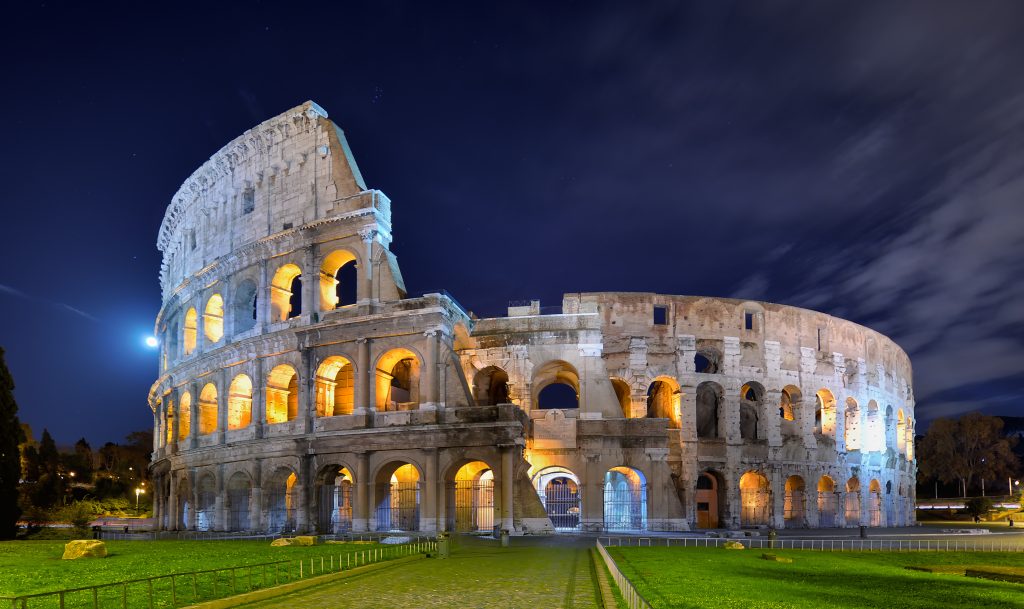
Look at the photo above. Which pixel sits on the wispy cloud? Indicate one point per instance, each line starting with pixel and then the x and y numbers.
pixel 11 291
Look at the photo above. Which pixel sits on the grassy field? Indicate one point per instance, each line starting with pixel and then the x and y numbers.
pixel 35 566
pixel 711 577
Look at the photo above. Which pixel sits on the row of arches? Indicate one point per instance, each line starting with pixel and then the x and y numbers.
pixel 397 377
pixel 337 283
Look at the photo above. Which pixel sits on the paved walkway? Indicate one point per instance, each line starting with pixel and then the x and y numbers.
pixel 532 574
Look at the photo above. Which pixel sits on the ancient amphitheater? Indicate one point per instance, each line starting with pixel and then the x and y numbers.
pixel 302 389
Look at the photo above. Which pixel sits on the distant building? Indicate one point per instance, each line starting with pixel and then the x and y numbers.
pixel 301 388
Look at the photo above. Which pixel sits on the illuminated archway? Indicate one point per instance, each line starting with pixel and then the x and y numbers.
pixel 191 326
pixel 335 387
pixel 338 280
pixel 281 494
pixel 184 415
pixel 286 293
pixel 490 386
pixel 556 384
pixel 238 493
pixel 663 400
pixel 825 413
pixel 559 491
pixel 282 394
pixel 336 498
pixel 828 502
pixel 240 402
pixel 244 307
pixel 622 394
pixel 795 506
pixel 206 496
pixel 398 380
pixel 901 432
pixel 755 500
pixel 874 503
pixel 397 497
pixel 852 507
pixel 208 409
pixel 471 506
pixel 625 500
pixel 213 318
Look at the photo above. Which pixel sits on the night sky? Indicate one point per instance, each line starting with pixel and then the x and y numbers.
pixel 862 159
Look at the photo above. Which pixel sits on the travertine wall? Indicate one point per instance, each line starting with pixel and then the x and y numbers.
pixel 279 408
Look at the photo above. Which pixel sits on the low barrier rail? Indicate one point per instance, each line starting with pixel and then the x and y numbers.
pixel 188 588
pixel 825 545
pixel 633 598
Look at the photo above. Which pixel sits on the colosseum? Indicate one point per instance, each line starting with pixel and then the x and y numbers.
pixel 301 388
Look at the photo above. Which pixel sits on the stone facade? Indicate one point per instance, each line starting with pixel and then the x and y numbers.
pixel 302 389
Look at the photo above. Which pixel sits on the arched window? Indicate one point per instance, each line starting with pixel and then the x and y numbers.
pixel 397 497
pixel 828 502
pixel 184 415
pixel 751 404
pixel 794 507
pixel 491 386
pixel 557 385
pixel 398 380
pixel 213 318
pixel 853 502
pixel 208 409
pixel 625 500
pixel 901 432
pixel 335 387
pixel 240 402
pixel 559 492
pixel 825 413
pixel 244 308
pixel 286 293
pixel 709 403
pixel 852 419
pixel 238 491
pixel 191 326
pixel 338 280
pixel 755 500
pixel 622 394
pixel 471 498
pixel 282 394
pixel 663 400
pixel 335 486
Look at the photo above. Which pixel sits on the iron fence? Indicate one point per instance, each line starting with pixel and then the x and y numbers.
pixel 400 510
pixel 183 589
pixel 473 503
pixel 561 501
pixel 825 545
pixel 625 508
pixel 629 593
pixel 828 508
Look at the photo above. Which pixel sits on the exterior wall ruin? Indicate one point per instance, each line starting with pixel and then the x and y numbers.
pixel 302 389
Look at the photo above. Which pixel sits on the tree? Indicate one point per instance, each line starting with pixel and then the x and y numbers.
pixel 11 436
pixel 978 506
pixel 961 450
pixel 49 457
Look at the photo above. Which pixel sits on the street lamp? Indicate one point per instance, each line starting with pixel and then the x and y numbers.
pixel 138 491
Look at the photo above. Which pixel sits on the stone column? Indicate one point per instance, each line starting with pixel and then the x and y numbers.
pixel 192 526
pixel 259 398
pixel 364 379
pixel 507 479
pixel 592 488
pixel 222 404
pixel 193 415
pixel 367 234
pixel 256 497
pixel 811 503
pixel 729 418
pixel 361 509
pixel 220 503
pixel 175 426
pixel 778 498
pixel 428 508
pixel 307 392
pixel 772 425
pixel 430 399
pixel 263 299
pixel 302 497
pixel 158 490
pixel 310 285
pixel 687 414
pixel 172 522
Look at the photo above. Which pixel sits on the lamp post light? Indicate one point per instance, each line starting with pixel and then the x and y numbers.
pixel 138 491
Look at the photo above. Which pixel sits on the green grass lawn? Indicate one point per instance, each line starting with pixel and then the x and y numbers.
pixel 28 567
pixel 722 579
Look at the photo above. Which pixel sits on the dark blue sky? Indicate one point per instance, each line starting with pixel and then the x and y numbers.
pixel 863 159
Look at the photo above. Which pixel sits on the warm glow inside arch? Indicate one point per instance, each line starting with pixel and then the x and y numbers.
pixel 191 326
pixel 282 292
pixel 282 394
pixel 329 278
pixel 208 409
pixel 240 402
pixel 335 387
pixel 213 318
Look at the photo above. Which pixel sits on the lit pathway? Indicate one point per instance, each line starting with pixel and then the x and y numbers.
pixel 533 574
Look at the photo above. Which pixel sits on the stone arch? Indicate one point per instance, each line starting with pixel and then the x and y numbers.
pixel 623 395
pixel 755 499
pixel 710 499
pixel 663 400
pixel 335 387
pixel 281 492
pixel 707 359
pixel 470 496
pixel 282 403
pixel 561 494
pixel 206 502
pixel 875 436
pixel 286 293
pixel 852 431
pixel 335 493
pixel 240 402
pixel 874 503
pixel 397 496
pixel 207 409
pixel 243 308
pixel 398 380
pixel 709 406
pixel 828 502
pixel 552 383
pixel 184 415
pixel 625 499
pixel 490 386
pixel 852 506
pixel 901 432
pixel 185 517
pixel 213 319
pixel 795 503
pixel 239 491
pixel 825 413
pixel 189 335
pixel 168 430
pixel 790 404
pixel 338 281
pixel 751 411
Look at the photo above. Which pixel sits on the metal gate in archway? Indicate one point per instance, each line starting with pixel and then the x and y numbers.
pixel 473 505
pixel 400 511
pixel 280 513
pixel 852 509
pixel 238 508
pixel 625 507
pixel 561 499
pixel 828 508
pixel 336 507
pixel 755 507
pixel 794 513
pixel 875 509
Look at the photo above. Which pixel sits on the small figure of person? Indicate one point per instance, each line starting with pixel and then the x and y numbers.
pixel 977 519
pixel 1010 518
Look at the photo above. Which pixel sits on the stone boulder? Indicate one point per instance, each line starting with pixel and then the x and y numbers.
pixel 303 540
pixel 281 542
pixel 84 548
pixel 733 545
